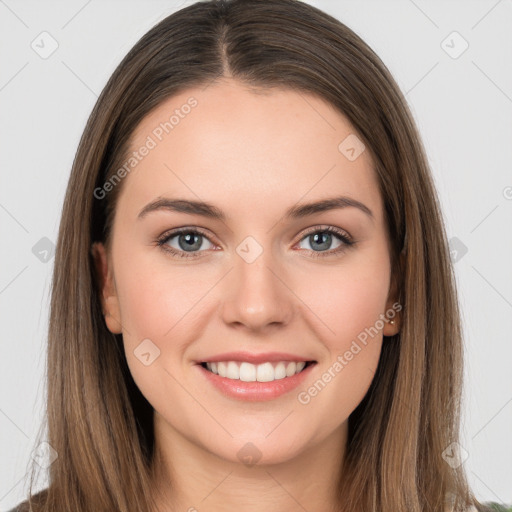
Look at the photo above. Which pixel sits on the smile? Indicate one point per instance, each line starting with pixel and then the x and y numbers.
pixel 248 372
pixel 264 381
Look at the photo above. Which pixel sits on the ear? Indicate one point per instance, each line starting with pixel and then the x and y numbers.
pixel 106 284
pixel 393 306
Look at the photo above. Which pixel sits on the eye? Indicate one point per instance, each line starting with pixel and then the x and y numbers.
pixel 320 240
pixel 188 240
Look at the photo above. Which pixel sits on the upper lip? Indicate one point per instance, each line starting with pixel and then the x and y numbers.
pixel 254 358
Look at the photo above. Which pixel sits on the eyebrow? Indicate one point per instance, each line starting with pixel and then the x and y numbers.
pixel 209 210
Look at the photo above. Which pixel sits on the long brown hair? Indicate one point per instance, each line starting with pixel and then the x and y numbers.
pixel 100 425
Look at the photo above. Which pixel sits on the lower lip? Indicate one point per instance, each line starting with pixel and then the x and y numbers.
pixel 255 391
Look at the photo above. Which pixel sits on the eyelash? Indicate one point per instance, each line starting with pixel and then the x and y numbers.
pixel 343 236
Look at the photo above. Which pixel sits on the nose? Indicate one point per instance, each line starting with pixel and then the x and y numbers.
pixel 256 295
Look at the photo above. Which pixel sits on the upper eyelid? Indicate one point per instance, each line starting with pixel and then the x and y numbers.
pixel 326 227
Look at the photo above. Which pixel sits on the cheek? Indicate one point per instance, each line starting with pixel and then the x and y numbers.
pixel 348 299
pixel 157 298
pixel 171 305
pixel 344 375
pixel 350 306
pixel 161 310
pixel 162 302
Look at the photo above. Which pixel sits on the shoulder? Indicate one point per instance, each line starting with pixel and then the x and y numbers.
pixel 32 504
pixel 489 506
pixel 496 507
pixel 22 507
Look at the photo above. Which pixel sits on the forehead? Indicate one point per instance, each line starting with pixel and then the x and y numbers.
pixel 246 148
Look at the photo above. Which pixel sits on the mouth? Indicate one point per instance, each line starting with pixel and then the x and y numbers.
pixel 261 381
pixel 265 372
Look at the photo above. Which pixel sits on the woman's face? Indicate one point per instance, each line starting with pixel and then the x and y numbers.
pixel 254 274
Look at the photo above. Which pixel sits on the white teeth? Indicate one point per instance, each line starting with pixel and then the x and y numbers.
pixel 280 371
pixel 221 367
pixel 247 372
pixel 290 369
pixel 233 371
pixel 265 372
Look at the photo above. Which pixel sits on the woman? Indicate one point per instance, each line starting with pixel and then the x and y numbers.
pixel 253 305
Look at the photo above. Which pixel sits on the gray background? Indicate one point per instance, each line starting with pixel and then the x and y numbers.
pixel 462 104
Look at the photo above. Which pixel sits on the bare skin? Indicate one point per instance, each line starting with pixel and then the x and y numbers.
pixel 253 155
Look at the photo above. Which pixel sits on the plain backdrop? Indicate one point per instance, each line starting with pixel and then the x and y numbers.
pixel 452 60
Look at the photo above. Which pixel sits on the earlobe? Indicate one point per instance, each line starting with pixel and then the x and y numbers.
pixel 393 309
pixel 113 316
pixel 392 326
pixel 106 285
pixel 393 317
